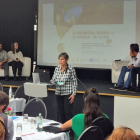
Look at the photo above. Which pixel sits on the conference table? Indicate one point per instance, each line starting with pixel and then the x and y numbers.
pixel 33 134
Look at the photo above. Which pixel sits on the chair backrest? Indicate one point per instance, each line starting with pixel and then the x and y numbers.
pixel 1 87
pixel 34 107
pixel 92 133
pixel 21 94
pixel 105 124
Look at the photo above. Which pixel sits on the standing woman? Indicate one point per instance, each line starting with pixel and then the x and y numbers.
pixel 16 57
pixel 66 87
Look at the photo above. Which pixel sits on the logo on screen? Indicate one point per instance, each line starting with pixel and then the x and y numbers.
pixel 61 48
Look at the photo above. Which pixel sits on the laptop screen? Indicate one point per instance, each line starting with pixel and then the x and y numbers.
pixel 36 79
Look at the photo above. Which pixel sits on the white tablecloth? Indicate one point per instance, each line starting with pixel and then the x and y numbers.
pixel 29 134
pixel 17 105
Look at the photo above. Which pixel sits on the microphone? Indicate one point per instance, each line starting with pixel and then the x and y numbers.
pixel 83 86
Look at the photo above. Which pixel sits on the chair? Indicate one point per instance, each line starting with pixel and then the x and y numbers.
pixel 92 133
pixel 116 70
pixel 1 87
pixel 21 94
pixel 26 69
pixel 34 107
pixel 105 124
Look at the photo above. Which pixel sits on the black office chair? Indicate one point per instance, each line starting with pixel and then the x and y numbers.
pixel 1 87
pixel 34 107
pixel 105 124
pixel 21 94
pixel 92 133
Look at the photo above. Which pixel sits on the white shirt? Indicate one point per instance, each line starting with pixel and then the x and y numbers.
pixel 135 61
pixel 12 56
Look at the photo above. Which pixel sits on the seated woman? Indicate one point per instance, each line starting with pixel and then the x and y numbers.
pixel 123 133
pixel 2 129
pixel 91 111
pixel 15 60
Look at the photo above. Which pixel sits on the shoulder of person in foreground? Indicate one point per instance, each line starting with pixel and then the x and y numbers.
pixel 2 129
pixel 10 128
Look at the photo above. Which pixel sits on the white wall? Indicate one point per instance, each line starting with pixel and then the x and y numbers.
pixel 127 113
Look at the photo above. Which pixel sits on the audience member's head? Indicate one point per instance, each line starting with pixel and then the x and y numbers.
pixel 91 90
pixel 4 101
pixel 2 129
pixel 92 106
pixel 123 133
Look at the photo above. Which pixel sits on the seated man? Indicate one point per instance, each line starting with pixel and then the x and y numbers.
pixel 4 101
pixel 134 62
pixel 134 72
pixel 3 62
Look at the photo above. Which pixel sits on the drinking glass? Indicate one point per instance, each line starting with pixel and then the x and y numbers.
pixel 25 118
pixel 33 123
pixel 19 129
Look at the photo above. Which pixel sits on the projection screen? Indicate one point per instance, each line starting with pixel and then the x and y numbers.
pixel 92 32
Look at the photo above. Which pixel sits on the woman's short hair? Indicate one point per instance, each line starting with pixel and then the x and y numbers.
pixel 64 55
pixel 2 128
pixel 123 133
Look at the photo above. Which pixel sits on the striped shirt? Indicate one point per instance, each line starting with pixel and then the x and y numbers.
pixel 68 77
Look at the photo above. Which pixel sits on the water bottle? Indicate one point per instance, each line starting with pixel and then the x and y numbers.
pixel 40 126
pixel 10 92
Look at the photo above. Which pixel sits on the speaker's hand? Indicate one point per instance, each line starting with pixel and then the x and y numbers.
pixel 72 97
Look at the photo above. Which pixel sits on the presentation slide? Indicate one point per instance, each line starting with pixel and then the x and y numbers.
pixel 93 33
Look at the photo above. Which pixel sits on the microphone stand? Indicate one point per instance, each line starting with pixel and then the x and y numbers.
pixel 82 84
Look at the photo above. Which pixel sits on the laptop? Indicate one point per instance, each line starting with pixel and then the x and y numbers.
pixel 44 77
pixel 53 129
pixel 36 79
